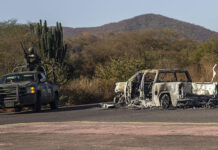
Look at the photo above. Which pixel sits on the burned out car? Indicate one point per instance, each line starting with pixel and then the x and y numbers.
pixel 165 88
pixel 30 88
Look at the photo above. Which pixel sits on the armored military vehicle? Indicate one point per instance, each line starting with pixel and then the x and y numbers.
pixel 28 85
pixel 29 88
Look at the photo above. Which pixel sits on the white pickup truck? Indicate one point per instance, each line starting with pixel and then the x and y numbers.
pixel 165 88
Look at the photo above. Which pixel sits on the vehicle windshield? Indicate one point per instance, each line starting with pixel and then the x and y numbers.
pixel 19 78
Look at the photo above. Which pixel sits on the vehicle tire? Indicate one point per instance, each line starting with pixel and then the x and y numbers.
pixel 116 99
pixel 18 109
pixel 37 105
pixel 54 104
pixel 165 101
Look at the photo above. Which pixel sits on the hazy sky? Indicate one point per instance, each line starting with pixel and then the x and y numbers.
pixel 85 13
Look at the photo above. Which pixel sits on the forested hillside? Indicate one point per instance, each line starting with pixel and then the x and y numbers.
pixel 97 62
pixel 147 22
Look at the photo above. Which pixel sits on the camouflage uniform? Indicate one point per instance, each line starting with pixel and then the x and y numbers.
pixel 32 60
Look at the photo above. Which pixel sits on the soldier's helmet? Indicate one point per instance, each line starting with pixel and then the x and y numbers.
pixel 31 50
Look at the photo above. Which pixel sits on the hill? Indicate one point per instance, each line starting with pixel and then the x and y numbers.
pixel 147 22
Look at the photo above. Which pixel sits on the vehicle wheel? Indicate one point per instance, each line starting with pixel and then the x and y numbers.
pixel 54 104
pixel 18 109
pixel 37 105
pixel 116 99
pixel 165 101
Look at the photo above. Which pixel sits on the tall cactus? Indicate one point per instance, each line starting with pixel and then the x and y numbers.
pixel 51 46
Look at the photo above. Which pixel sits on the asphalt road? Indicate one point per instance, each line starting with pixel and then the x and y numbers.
pixel 94 128
pixel 112 115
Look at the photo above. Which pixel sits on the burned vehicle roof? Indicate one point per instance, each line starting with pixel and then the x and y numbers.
pixel 164 70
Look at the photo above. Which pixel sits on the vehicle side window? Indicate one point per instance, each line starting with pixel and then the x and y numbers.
pixel 181 77
pixel 167 77
pixel 28 77
pixel 138 78
pixel 149 77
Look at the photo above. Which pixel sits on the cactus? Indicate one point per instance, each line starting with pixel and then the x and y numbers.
pixel 51 48
pixel 50 42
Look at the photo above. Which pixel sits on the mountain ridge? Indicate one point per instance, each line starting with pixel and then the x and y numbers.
pixel 146 22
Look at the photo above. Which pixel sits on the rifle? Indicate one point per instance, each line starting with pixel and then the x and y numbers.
pixel 24 51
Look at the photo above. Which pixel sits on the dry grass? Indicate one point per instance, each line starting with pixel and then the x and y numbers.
pixel 85 91
pixel 202 73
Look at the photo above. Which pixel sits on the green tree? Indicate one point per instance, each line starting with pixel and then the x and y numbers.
pixel 120 69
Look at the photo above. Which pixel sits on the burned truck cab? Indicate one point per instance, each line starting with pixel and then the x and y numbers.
pixel 165 88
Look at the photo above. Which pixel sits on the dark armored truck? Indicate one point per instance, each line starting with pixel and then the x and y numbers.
pixel 30 88
pixel 165 88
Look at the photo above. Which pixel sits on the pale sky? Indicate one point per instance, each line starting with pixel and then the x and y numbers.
pixel 87 13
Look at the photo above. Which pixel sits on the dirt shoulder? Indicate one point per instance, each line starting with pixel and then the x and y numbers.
pixel 105 136
pixel 115 128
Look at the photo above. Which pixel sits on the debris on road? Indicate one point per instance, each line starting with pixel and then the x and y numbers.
pixel 107 105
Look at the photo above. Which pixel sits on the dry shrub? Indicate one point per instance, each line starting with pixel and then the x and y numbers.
pixel 86 91
pixel 202 72
pixel 195 72
pixel 207 62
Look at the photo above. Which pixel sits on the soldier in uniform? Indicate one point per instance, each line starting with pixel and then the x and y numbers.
pixel 32 60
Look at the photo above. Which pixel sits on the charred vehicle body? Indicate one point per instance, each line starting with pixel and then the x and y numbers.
pixel 29 88
pixel 165 88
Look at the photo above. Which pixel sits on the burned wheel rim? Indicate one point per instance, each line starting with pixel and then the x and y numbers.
pixel 165 101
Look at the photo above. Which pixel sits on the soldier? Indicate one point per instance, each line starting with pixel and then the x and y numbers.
pixel 32 60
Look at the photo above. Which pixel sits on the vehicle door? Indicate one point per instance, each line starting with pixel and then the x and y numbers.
pixel 134 85
pixel 49 88
pixel 42 86
pixel 148 81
